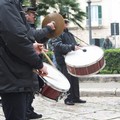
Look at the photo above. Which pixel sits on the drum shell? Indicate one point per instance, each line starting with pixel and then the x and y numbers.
pixel 88 70
pixel 55 85
pixel 49 92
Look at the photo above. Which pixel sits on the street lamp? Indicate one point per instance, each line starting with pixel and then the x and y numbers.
pixel 89 20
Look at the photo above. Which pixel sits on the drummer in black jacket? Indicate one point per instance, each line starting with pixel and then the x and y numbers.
pixel 62 45
pixel 39 36
pixel 18 58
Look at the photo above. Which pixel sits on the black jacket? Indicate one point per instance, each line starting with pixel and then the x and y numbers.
pixel 17 55
pixel 39 34
pixel 62 45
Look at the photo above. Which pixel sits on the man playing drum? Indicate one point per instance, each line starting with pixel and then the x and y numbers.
pixel 62 45
pixel 18 58
pixel 39 36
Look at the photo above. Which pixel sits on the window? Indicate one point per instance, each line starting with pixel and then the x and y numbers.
pixel 97 42
pixel 96 15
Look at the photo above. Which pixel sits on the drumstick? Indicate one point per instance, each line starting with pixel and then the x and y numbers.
pixel 49 60
pixel 81 40
pixel 35 71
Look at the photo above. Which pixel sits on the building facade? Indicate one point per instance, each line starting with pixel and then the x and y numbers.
pixel 105 22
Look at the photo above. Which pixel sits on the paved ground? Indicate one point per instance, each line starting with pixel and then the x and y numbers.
pixel 96 108
pixel 103 105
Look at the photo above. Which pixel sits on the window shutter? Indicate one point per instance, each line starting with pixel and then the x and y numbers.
pixel 114 28
pixel 99 15
pixel 99 12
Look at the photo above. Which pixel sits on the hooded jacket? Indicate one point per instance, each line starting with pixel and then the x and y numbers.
pixel 17 55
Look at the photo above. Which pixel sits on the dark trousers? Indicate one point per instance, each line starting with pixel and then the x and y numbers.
pixel 29 101
pixel 31 97
pixel 74 93
pixel 14 106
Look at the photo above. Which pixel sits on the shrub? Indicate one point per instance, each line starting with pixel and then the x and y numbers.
pixel 112 58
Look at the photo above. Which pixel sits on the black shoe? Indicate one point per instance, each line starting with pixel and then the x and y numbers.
pixel 35 115
pixel 0 101
pixel 79 101
pixel 67 102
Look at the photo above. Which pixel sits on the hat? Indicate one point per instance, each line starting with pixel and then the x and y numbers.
pixel 66 20
pixel 29 9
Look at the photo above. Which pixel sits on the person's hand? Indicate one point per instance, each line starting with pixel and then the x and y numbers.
pixel 38 47
pixel 77 47
pixel 43 72
pixel 52 25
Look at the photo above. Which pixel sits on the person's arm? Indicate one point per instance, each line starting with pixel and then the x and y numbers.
pixel 62 48
pixel 42 33
pixel 39 35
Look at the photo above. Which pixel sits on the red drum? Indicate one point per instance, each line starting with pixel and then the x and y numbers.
pixel 55 85
pixel 85 61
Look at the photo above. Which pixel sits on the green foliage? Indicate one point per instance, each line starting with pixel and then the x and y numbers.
pixel 112 58
pixel 42 9
pixel 67 8
pixel 105 72
pixel 72 11
pixel 26 2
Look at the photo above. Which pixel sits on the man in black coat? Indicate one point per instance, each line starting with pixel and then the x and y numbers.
pixel 38 36
pixel 62 45
pixel 18 58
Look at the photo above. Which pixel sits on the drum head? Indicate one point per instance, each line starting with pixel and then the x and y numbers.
pixel 56 79
pixel 84 57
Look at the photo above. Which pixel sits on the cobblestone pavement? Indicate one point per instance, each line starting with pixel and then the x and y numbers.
pixel 96 108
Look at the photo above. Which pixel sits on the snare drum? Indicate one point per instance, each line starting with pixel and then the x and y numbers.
pixel 85 61
pixel 55 85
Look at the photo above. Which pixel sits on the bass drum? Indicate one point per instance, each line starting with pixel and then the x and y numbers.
pixel 85 61
pixel 55 85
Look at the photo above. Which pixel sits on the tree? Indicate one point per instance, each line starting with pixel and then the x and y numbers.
pixel 26 3
pixel 67 8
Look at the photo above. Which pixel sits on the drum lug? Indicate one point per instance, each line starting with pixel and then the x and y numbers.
pixel 62 96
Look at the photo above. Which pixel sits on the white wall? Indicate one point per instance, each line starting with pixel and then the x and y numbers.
pixel 110 14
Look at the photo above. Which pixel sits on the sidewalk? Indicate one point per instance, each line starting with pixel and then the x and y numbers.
pixel 100 85
pixel 107 89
